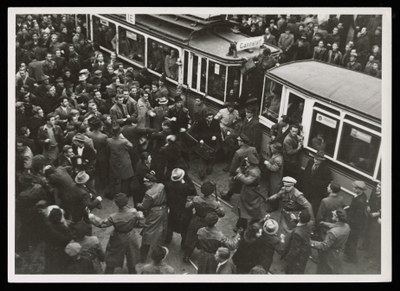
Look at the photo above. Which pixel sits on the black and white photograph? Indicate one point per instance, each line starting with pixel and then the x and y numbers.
pixel 199 144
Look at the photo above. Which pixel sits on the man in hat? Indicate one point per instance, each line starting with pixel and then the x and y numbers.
pixel 251 127
pixel 286 41
pixel 353 64
pixel 202 204
pixel 121 170
pixel 291 201
pixel 274 166
pixel 357 218
pixel 209 240
pixel 83 86
pixel 51 137
pixel 179 190
pixel 155 206
pixel 161 111
pixel 208 132
pixel 178 116
pixel 316 178
pixel 90 197
pixel 331 249
pixel 124 240
pixel 301 48
pixel 299 246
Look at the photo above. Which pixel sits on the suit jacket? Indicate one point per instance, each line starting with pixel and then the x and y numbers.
pixel 356 214
pixel 64 114
pixel 203 131
pixel 117 115
pixel 182 118
pixel 299 249
pixel 253 131
pixel 43 135
pixel 243 152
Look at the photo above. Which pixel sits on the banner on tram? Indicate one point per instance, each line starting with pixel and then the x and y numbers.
pixel 248 43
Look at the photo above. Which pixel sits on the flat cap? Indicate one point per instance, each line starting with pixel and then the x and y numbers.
pixel 360 185
pixel 289 180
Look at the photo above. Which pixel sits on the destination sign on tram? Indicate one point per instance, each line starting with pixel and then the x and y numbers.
pixel 249 43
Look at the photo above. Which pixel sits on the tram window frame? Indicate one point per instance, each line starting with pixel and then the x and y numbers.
pixel 170 46
pixel 135 62
pixel 290 94
pixel 365 133
pixel 221 71
pixel 271 121
pixel 102 45
pixel 327 119
pixel 231 81
pixel 186 58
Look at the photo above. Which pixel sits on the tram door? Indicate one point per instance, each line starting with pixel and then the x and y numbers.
pixel 252 86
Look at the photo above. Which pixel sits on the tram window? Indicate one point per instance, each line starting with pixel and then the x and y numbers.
pixel 233 84
pixel 216 80
pixel 323 133
pixel 359 148
pixel 155 56
pixel 163 59
pixel 131 45
pixel 104 33
pixel 81 19
pixel 295 108
pixel 203 76
pixel 272 100
pixel 194 71
pixel 186 68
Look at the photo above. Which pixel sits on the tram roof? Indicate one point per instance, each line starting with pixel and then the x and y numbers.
pixel 352 89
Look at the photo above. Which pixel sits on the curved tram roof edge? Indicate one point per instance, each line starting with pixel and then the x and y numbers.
pixel 353 90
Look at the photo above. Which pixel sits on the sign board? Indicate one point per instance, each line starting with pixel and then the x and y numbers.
pixel 131 35
pixel 216 69
pixel 326 120
pixel 248 43
pixel 104 22
pixel 130 18
pixel 361 135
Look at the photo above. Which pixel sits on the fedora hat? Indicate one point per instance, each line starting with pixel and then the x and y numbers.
pixel 81 178
pixel 270 226
pixel 82 78
pixel 163 100
pixel 177 175
pixel 79 137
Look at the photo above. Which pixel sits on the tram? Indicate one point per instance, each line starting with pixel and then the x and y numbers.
pixel 199 44
pixel 339 110
pixel 335 106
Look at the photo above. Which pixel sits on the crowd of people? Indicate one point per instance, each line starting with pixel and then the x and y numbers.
pixel 89 129
pixel 305 36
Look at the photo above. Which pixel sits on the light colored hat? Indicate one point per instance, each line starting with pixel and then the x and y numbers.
pixel 82 177
pixel 360 185
pixel 162 100
pixel 177 175
pixel 270 226
pixel 82 77
pixel 79 137
pixel 289 180
pixel 98 72
pixel 73 249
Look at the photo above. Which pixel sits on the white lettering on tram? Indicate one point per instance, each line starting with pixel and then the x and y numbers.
pixel 250 42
